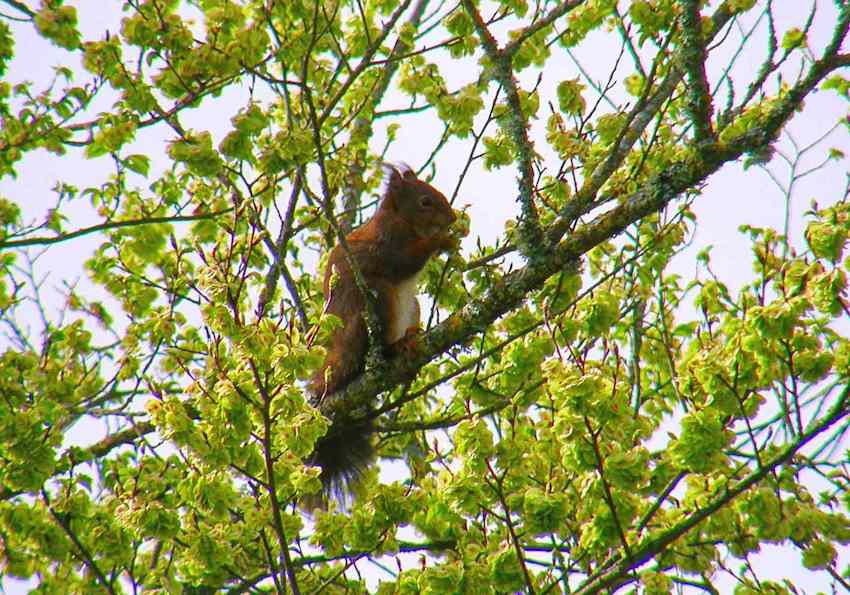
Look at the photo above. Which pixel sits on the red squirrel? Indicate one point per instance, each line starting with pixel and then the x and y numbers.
pixel 410 225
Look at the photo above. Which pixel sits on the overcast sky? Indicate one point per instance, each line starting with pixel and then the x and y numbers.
pixel 732 197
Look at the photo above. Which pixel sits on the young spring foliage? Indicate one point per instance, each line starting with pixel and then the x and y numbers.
pixel 595 404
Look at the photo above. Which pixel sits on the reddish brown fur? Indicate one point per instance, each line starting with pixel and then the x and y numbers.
pixel 393 246
pixel 409 227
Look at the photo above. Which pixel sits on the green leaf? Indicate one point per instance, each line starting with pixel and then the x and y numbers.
pixel 737 6
pixel 570 100
pixel 837 83
pixel 544 512
pixel 498 152
pixel 197 153
pixel 793 38
pixel 59 25
pixel 138 163
pixel 700 445
pixel 506 572
pixel 826 240
pixel 819 555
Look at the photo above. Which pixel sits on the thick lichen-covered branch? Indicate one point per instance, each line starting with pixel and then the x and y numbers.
pixel 656 193
pixel 531 234
pixel 693 55
pixel 637 120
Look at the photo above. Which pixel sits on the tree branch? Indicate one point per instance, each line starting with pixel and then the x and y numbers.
pixel 271 480
pixel 44 241
pixel 83 552
pixel 693 55
pixel 365 62
pixel 638 119
pixel 278 251
pixel 531 241
pixel 553 15
pixel 698 164
pixel 20 6
pixel 361 130
pixel 612 575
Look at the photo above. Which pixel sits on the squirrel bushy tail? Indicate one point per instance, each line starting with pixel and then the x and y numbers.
pixel 346 451
pixel 344 454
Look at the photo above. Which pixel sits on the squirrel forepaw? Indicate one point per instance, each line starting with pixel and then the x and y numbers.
pixel 449 244
pixel 408 345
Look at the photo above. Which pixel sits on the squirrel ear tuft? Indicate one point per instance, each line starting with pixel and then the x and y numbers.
pixel 395 178
pixel 393 184
pixel 398 171
pixel 406 171
pixel 391 174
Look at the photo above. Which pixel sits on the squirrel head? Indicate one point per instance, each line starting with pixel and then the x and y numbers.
pixel 423 207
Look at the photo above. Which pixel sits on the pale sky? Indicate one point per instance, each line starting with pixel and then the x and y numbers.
pixel 732 197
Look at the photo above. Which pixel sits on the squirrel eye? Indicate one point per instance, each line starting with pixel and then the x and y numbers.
pixel 425 200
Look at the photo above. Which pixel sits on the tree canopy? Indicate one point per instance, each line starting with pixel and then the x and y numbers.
pixel 592 407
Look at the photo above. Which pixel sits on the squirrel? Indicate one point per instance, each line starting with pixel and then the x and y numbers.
pixel 410 225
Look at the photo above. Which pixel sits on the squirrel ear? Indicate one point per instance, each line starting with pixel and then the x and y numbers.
pixel 406 171
pixel 396 176
pixel 391 174
pixel 400 170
